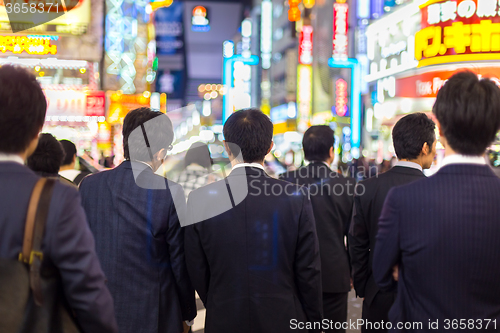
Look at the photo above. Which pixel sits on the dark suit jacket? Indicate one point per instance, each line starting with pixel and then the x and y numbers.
pixel 256 266
pixel 68 244
pixel 367 208
pixel 141 247
pixel 444 233
pixel 331 197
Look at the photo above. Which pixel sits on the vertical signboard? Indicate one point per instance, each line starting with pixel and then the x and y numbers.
pixel 304 96
pixel 340 27
pixel 169 30
pixel 266 30
pixel 306 45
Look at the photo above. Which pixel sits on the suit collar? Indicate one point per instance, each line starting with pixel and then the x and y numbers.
pixel 467 169
pixel 406 171
pixel 6 167
pixel 248 170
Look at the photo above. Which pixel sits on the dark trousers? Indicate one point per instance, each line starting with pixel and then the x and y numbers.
pixel 378 310
pixel 335 310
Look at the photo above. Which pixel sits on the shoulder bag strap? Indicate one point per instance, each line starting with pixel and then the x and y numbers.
pixel 36 219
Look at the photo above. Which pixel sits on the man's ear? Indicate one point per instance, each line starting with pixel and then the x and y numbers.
pixel 160 155
pixel 229 153
pixel 331 152
pixel 439 127
pixel 426 150
pixel 270 148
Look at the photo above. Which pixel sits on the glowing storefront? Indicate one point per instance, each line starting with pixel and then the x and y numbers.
pixel 64 54
pixel 415 49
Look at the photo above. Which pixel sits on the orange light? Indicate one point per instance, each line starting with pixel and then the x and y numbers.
pixel 294 14
pixel 309 3
pixel 159 4
pixel 200 11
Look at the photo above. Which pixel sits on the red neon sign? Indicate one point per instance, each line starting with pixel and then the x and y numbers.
pixel 340 26
pixel 306 45
pixel 341 99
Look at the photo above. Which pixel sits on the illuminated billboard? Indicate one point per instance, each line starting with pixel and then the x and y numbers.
pixel 458 30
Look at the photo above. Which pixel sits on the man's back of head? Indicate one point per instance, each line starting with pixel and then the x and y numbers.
pixel 414 139
pixel 147 134
pixel 468 112
pixel 22 110
pixel 317 143
pixel 47 157
pixel 70 151
pixel 250 132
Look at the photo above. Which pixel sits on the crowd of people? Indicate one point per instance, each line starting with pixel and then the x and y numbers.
pixel 127 249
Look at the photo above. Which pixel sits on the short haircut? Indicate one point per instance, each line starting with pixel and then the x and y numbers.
pixel 199 154
pixel 410 133
pixel 468 110
pixel 48 155
pixel 159 134
pixel 317 142
pixel 70 150
pixel 22 109
pixel 250 132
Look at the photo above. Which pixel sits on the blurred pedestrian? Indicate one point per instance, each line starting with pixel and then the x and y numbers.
pixel 442 232
pixel 415 145
pixel 47 158
pixel 251 246
pixel 67 169
pixel 197 168
pixel 332 199
pixel 139 239
pixel 63 256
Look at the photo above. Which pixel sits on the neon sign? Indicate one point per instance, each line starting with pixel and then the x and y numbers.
pixel 30 45
pixel 341 98
pixel 304 96
pixel 199 21
pixel 306 45
pixel 340 41
pixel 453 31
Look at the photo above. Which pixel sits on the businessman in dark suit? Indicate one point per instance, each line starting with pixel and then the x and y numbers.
pixel 68 243
pixel 415 146
pixel 442 232
pixel 332 198
pixel 256 266
pixel 139 239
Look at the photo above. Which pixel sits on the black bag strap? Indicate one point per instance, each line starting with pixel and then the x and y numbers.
pixel 36 219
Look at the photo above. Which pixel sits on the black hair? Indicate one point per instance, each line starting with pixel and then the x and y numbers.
pixel 199 154
pixel 410 133
pixel 22 109
pixel 317 142
pixel 250 132
pixel 70 150
pixel 141 142
pixel 47 156
pixel 468 110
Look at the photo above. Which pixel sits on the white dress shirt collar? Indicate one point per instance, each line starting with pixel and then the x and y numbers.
pixel 463 159
pixel 408 164
pixel 253 165
pixel 137 161
pixel 11 158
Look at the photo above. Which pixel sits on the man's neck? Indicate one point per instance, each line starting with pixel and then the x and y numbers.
pixel 416 161
pixel 235 162
pixel 448 151
pixel 67 167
